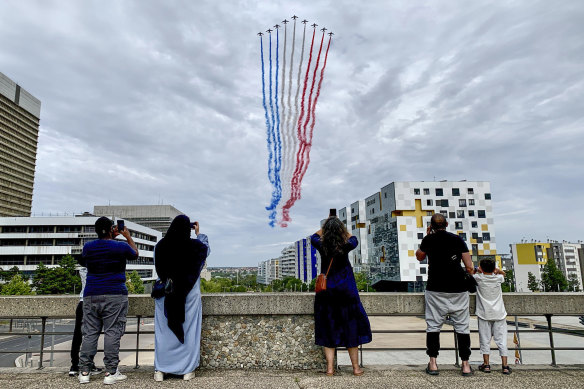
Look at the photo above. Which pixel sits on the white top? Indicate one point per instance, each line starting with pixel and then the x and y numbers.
pixel 490 304
pixel 83 275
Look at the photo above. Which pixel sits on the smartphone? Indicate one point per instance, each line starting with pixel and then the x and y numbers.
pixel 192 226
pixel 333 212
pixel 120 225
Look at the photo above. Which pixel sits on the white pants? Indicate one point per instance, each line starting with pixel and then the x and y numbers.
pixel 496 329
pixel 440 304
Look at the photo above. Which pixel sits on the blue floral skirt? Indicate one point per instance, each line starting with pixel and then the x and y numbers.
pixel 339 317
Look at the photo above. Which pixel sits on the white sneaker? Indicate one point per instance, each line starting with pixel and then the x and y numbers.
pixel 158 376
pixel 110 379
pixel 83 379
pixel 189 376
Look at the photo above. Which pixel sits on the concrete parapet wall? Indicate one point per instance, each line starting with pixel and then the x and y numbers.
pixel 276 330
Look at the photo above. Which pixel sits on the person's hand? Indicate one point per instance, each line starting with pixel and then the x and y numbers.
pixel 125 233
pixel 428 230
pixel 115 232
pixel 196 227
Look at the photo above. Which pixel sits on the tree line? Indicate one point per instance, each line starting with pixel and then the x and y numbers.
pixel 552 280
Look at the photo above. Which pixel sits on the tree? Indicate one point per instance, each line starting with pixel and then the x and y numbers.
pixel 277 286
pixel 134 283
pixel 363 282
pixel 573 283
pixel 532 283
pixel 16 286
pixel 509 284
pixel 62 279
pixel 552 278
pixel 312 285
pixel 9 274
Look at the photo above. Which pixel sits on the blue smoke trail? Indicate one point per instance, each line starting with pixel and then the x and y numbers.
pixel 272 206
pixel 268 125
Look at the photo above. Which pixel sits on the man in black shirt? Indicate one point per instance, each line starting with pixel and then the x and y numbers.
pixel 446 291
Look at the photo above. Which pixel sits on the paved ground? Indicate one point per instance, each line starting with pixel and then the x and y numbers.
pixel 375 377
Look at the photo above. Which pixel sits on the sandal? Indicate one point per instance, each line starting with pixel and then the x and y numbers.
pixel 329 374
pixel 470 373
pixel 485 368
pixel 506 370
pixel 431 372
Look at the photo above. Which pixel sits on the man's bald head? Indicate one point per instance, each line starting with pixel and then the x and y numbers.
pixel 438 222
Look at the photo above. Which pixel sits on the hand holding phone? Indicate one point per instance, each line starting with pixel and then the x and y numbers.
pixel 121 226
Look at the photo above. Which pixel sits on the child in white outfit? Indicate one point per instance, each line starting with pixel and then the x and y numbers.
pixel 491 313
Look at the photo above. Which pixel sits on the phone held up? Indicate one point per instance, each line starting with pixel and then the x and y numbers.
pixel 333 212
pixel 120 225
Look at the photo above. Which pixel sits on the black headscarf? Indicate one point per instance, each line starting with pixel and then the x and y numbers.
pixel 181 259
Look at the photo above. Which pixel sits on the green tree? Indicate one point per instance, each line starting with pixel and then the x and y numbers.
pixel 573 283
pixel 16 286
pixel 312 285
pixel 9 274
pixel 134 283
pixel 509 284
pixel 552 278
pixel 62 279
pixel 532 283
pixel 363 282
pixel 277 286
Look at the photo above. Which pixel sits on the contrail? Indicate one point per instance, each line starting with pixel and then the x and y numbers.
pixel 268 125
pixel 311 132
pixel 277 130
pixel 272 207
pixel 283 131
pixel 301 138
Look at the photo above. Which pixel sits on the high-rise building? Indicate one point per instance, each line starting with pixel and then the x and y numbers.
pixel 269 271
pixel 26 242
pixel 157 217
pixel 532 257
pixel 391 224
pixel 19 130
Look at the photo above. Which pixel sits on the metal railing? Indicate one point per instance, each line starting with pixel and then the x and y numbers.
pixel 137 350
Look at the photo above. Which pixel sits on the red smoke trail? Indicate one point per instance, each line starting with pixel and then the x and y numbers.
pixel 302 139
pixel 309 143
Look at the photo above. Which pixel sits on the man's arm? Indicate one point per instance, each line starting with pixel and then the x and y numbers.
pixel 467 263
pixel 126 234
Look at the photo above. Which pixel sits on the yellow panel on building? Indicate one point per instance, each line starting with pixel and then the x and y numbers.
pixel 411 253
pixel 402 227
pixel 486 246
pixel 526 253
pixel 485 227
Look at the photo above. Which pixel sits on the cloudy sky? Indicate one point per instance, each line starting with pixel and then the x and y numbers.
pixel 160 101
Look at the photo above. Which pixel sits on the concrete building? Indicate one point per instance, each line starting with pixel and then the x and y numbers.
pixel 530 257
pixel 390 225
pixel 269 271
pixel 157 217
pixel 288 262
pixel 26 242
pixel 19 129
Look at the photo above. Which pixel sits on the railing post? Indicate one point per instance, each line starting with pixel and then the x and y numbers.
pixel 43 327
pixel 457 364
pixel 10 329
pixel 552 349
pixel 361 355
pixel 137 342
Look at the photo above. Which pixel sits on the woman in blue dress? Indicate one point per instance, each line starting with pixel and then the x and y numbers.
pixel 339 317
pixel 177 316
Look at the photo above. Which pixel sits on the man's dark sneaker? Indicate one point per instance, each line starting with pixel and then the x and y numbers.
pixel 73 371
pixel 95 370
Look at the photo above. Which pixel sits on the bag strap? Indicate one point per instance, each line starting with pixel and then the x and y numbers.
pixel 329 268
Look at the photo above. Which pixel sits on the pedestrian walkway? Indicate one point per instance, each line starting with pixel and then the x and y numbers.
pixel 375 377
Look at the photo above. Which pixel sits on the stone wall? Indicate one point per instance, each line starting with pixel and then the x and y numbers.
pixel 260 342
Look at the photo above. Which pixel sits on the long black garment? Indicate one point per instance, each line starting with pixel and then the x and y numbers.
pixel 181 259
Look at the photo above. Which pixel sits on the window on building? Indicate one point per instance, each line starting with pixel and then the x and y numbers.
pixel 439 192
pixel 463 236
pixel 456 191
pixel 475 249
pixel 14 229
pixel 426 191
pixel 11 260
pixel 460 214
pixel 474 224
pixel 462 203
pixel 475 235
pixel 451 215
pixel 471 202
pixel 444 212
pixel 486 236
pixel 458 225
pixel 445 203
pixel 422 271
pixel 471 212
pixel 487 196
pixel 429 202
pixel 481 213
pixel 352 210
pixel 416 191
pixel 41 229
pixel 470 191
pixel 420 235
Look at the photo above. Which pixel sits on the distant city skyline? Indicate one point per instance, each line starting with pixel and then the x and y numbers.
pixel 146 102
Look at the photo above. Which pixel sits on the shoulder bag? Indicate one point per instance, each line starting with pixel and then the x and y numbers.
pixel 321 280
pixel 161 289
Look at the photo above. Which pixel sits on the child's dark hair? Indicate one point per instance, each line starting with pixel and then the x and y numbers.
pixel 488 265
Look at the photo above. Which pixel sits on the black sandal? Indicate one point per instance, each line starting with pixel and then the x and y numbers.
pixel 431 372
pixel 485 368
pixel 506 370
pixel 466 374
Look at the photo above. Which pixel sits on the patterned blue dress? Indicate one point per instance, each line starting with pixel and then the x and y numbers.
pixel 339 317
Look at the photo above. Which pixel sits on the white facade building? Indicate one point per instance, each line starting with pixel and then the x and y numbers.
pixel 25 242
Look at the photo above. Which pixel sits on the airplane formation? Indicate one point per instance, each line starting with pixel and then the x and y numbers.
pixel 277 26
